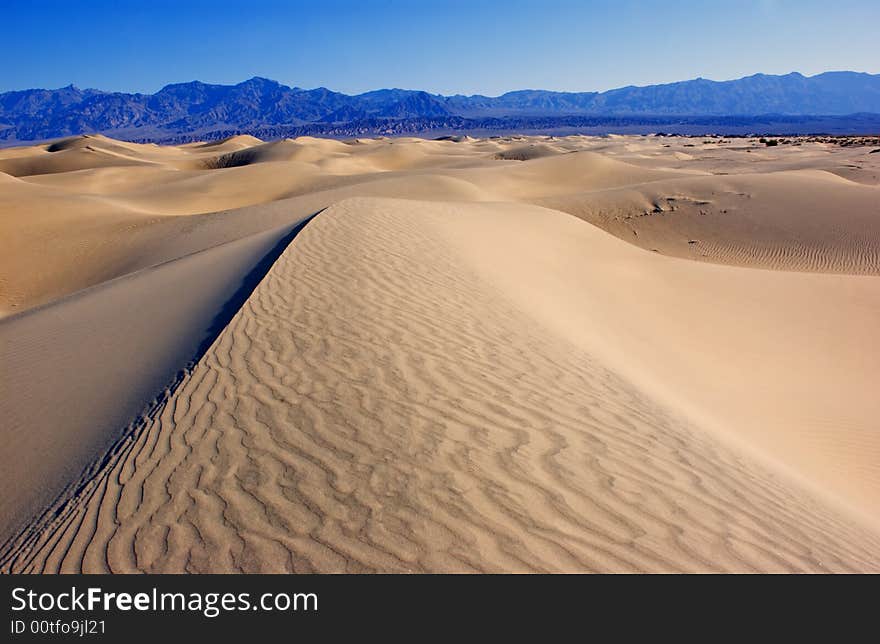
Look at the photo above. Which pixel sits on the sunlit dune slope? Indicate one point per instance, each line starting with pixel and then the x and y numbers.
pixel 397 395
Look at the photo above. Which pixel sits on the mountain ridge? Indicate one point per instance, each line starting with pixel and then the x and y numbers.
pixel 195 107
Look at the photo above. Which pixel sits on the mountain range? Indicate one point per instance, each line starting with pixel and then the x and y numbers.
pixel 187 111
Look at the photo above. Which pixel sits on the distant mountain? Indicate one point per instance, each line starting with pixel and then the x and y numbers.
pixel 201 110
pixel 531 102
pixel 828 93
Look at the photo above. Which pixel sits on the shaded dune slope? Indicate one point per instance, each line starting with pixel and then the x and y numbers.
pixel 77 371
pixel 383 401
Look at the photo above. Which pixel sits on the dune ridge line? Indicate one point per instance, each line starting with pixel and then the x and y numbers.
pixel 92 362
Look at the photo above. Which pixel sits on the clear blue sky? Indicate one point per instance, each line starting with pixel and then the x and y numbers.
pixel 451 46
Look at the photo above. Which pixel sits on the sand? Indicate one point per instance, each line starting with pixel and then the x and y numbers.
pixel 547 354
pixel 97 359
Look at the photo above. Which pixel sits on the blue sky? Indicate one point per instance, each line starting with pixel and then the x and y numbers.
pixel 452 46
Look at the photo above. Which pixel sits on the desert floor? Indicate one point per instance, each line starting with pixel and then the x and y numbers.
pixel 511 354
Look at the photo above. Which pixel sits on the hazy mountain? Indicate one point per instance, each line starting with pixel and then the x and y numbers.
pixel 828 93
pixel 524 102
pixel 197 108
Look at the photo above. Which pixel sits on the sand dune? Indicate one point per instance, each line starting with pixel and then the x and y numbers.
pixel 78 371
pixel 66 161
pixel 803 220
pixel 444 370
pixel 744 351
pixel 385 402
pixel 527 152
pixel 236 142
pixel 723 206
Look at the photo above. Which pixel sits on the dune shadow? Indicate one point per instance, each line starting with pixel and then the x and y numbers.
pixel 15 550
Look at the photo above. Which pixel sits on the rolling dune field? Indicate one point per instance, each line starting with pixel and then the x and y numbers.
pixel 520 354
